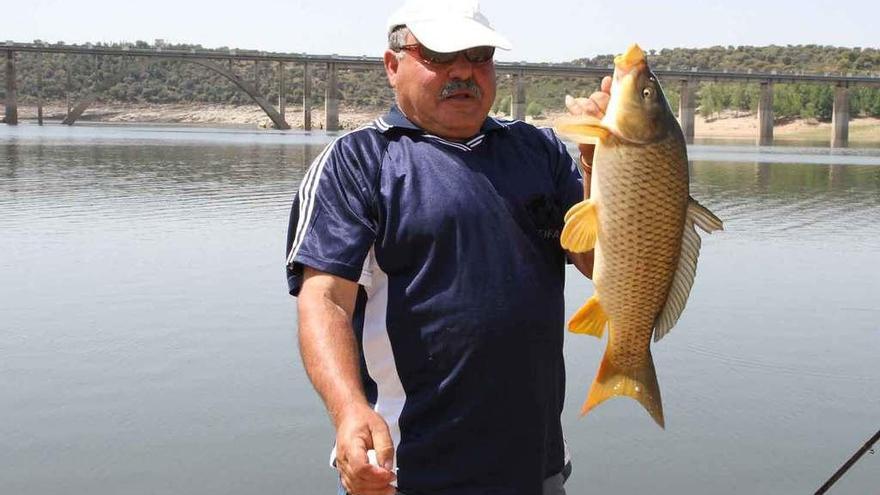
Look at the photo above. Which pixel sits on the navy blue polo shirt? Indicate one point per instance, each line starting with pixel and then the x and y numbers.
pixel 459 316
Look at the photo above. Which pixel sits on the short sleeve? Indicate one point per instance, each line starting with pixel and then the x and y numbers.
pixel 333 221
pixel 567 177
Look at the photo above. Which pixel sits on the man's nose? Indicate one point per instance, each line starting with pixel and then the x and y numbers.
pixel 461 68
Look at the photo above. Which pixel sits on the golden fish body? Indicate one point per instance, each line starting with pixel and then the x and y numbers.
pixel 640 221
pixel 641 194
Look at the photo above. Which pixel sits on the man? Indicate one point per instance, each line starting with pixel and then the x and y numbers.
pixel 424 250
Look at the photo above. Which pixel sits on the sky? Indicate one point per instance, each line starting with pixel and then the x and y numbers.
pixel 543 31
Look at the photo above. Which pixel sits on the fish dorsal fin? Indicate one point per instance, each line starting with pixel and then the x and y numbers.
pixel 582 129
pixel 687 266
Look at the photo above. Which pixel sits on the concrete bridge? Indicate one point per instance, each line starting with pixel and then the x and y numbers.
pixel 688 80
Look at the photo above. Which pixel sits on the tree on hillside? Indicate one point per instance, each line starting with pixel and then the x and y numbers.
pixel 535 109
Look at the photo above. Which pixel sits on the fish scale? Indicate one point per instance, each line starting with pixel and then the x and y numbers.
pixel 644 191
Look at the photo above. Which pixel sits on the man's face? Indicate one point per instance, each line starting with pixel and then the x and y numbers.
pixel 420 86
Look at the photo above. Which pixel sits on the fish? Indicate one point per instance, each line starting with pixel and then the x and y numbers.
pixel 640 221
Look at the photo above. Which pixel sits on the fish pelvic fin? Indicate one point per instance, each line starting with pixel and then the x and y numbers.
pixel 581 227
pixel 640 384
pixel 590 319
pixel 703 217
pixel 582 129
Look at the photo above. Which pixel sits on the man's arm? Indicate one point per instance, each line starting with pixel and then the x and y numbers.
pixel 329 353
pixel 595 105
pixel 584 261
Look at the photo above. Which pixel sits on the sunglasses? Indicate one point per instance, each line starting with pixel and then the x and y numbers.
pixel 475 55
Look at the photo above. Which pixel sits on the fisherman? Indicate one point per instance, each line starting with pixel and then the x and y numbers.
pixel 424 251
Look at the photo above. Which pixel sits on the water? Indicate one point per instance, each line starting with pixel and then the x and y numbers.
pixel 147 343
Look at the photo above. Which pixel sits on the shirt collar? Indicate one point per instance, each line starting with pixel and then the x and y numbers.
pixel 396 118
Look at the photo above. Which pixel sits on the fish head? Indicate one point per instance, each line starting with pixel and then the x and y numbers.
pixel 638 110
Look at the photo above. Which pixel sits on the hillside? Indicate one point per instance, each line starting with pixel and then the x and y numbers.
pixel 139 81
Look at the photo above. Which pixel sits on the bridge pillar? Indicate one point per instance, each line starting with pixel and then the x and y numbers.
pixel 282 91
pixel 518 101
pixel 331 100
pixel 765 114
pixel 67 87
pixel 40 88
pixel 307 97
pixel 11 104
pixel 687 107
pixel 840 117
pixel 96 75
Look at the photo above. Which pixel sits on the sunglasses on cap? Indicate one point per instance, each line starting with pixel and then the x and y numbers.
pixel 475 55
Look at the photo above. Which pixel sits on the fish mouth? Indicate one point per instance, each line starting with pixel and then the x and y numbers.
pixel 633 56
pixel 631 61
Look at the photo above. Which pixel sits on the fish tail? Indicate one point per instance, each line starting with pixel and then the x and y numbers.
pixel 639 383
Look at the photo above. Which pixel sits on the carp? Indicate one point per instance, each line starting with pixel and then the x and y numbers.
pixel 639 220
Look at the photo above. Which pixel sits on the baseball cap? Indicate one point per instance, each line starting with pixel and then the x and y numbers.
pixel 447 25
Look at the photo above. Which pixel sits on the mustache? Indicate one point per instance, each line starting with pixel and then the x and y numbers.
pixel 457 85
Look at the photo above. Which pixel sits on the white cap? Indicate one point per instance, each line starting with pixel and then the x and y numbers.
pixel 447 25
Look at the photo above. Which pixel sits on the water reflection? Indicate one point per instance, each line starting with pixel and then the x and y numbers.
pixel 870 146
pixel 10 160
pixel 791 200
pixel 148 337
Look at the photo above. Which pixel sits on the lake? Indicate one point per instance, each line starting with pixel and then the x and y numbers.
pixel 148 344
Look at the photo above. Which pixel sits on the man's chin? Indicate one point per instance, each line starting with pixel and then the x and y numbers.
pixel 460 119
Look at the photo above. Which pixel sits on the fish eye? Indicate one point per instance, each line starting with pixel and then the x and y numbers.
pixel 647 93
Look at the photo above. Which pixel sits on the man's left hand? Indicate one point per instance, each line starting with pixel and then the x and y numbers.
pixel 595 106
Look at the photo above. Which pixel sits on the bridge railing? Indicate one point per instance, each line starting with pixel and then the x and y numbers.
pixel 532 68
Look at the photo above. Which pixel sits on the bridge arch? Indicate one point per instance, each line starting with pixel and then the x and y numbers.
pixel 277 119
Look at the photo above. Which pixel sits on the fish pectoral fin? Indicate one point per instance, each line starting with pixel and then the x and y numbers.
pixel 702 217
pixel 638 383
pixel 581 227
pixel 582 129
pixel 590 319
pixel 683 281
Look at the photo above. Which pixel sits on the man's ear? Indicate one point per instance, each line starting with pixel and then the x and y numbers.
pixel 391 65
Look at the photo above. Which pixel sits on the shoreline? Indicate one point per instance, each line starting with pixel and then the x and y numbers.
pixel 728 125
pixel 744 126
pixel 217 114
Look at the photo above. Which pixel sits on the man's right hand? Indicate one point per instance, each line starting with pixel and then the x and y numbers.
pixel 329 351
pixel 360 429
